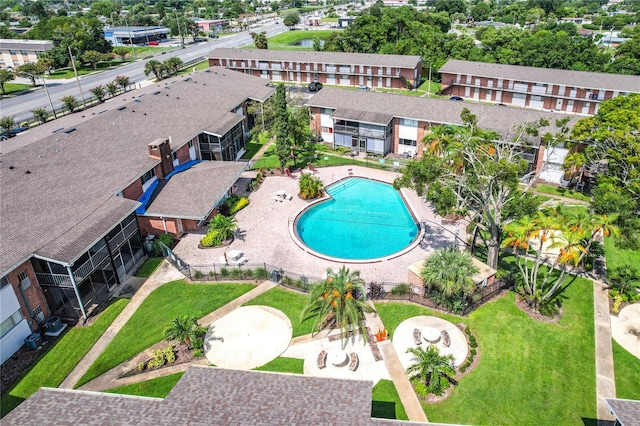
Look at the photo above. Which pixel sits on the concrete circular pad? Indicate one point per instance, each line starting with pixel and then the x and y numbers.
pixel 624 327
pixel 403 339
pixel 247 337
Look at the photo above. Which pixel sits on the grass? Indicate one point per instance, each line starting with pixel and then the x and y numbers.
pixel 156 388
pixel 253 146
pixel 284 365
pixel 56 364
pixel 149 267
pixel 290 303
pixel 10 88
pixel 627 371
pixel 617 257
pixel 563 192
pixel 284 41
pixel 386 402
pixel 146 325
pixel 530 372
pixel 199 66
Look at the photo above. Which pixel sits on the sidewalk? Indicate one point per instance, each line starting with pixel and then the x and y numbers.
pixel 605 378
pixel 163 274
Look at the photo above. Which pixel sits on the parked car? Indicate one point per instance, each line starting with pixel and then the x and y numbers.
pixel 175 44
pixel 455 98
pixel 314 86
pixel 197 39
pixel 154 43
pixel 12 132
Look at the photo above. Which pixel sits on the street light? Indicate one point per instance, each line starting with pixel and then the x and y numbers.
pixel 75 71
pixel 46 89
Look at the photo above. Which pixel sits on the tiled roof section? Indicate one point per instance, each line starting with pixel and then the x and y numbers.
pixel 441 111
pixel 192 193
pixel 74 175
pixel 627 411
pixel 569 78
pixel 337 58
pixel 58 406
pixel 362 116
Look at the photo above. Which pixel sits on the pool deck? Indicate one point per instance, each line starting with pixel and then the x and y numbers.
pixel 264 231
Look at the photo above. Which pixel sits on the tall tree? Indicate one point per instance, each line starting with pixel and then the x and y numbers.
pixel 283 132
pixel 5 77
pixel 291 19
pixel 31 71
pixel 154 67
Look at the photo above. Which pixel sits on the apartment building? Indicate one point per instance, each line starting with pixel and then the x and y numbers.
pixel 332 68
pixel 14 53
pixel 574 92
pixel 80 194
pixel 383 123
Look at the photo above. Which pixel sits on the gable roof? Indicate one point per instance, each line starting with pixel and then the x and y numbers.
pixel 69 198
pixel 337 58
pixel 569 78
pixel 627 411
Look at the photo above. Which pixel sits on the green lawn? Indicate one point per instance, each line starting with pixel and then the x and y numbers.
pixel 386 402
pixel 15 87
pixel 145 328
pixel 617 257
pixel 284 365
pixel 254 145
pixel 157 388
pixel 199 66
pixel 56 364
pixel 149 267
pixel 530 373
pixel 563 192
pixel 627 370
pixel 290 303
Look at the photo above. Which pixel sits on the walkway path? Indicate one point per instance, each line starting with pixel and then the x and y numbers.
pixel 605 378
pixel 112 379
pixel 163 274
pixel 407 395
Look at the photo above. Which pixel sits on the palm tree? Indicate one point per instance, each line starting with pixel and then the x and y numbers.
pixel 70 102
pixel 310 186
pixel 185 330
pixel 8 122
pixel 173 64
pixel 342 297
pixel 225 226
pixel 123 81
pixel 40 114
pixel 154 67
pixel 433 370
pixel 450 271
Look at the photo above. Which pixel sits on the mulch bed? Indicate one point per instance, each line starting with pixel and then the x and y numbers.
pixel 18 363
pixel 183 356
pixel 533 314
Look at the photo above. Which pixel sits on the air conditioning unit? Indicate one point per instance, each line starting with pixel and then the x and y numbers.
pixel 40 317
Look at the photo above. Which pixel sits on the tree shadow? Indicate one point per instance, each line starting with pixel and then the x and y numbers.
pixel 240 234
pixel 436 237
pixel 383 410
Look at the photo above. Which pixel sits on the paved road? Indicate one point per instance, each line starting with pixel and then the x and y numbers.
pixel 20 106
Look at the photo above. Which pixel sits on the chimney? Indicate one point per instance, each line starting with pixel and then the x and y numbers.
pixel 160 149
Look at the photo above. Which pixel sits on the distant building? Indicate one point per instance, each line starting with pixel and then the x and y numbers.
pixel 119 36
pixel 14 53
pixel 345 22
pixel 212 25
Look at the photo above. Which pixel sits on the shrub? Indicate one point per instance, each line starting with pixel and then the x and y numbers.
pixel 197 343
pixel 224 272
pixel 140 366
pixel 473 352
pixel 166 239
pixel 247 273
pixel 239 205
pixel 617 301
pixel 208 240
pixel 472 341
pixel 464 366
pixel 198 353
pixel 197 274
pixel 169 354
pixel 260 273
pixel 401 290
pixel 236 273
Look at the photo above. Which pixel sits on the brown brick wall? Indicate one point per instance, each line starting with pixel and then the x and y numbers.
pixel 316 126
pixel 133 191
pixel 34 293
pixel 149 225
pixel 183 154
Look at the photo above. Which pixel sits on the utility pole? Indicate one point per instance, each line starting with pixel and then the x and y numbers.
pixel 133 52
pixel 179 32
pixel 75 71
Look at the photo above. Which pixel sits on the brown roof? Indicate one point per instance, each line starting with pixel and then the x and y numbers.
pixel 569 78
pixel 337 58
pixel 627 411
pixel 69 197
pixel 193 193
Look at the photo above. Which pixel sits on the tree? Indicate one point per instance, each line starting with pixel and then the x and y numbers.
pixel 283 143
pixel 310 186
pixel 340 298
pixel 70 102
pixel 92 57
pixel 123 81
pixel 431 369
pixel 40 115
pixel 450 271
pixel 99 93
pixel 263 114
pixel 111 88
pixel 185 330
pixel 154 67
pixel 481 11
pixel 121 51
pixel 173 64
pixel 451 6
pixel 5 77
pixel 30 71
pixel 8 122
pixel 224 226
pixel 260 40
pixel 301 141
pixel 290 20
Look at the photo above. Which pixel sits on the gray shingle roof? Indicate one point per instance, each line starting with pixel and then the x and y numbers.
pixel 191 194
pixel 70 195
pixel 626 411
pixel 362 116
pixel 337 58
pixel 580 79
pixel 212 396
pixel 441 111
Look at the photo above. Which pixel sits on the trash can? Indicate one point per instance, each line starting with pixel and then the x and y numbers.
pixel 148 243
pixel 275 276
pixel 32 341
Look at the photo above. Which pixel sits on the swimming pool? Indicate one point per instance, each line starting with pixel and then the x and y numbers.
pixel 364 219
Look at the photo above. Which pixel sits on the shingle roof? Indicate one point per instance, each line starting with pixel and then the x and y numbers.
pixel 500 119
pixel 192 194
pixel 70 195
pixel 362 116
pixel 212 396
pixel 337 58
pixel 569 78
pixel 626 411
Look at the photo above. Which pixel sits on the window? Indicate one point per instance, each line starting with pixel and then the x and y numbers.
pixel 148 176
pixel 24 52
pixel 407 142
pixel 12 52
pixel 409 123
pixel 536 98
pixel 190 144
pixel 327 129
pixel 327 111
pixel 25 282
pixel 8 324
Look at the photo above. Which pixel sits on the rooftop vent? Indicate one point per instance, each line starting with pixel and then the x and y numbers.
pixel 57 130
pixel 103 111
pixel 121 108
pixel 28 172
pixel 71 129
pixel 156 93
pixel 137 100
pixel 11 167
pixel 187 79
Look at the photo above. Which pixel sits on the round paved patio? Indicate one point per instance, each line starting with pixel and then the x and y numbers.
pixel 403 339
pixel 251 337
pixel 622 327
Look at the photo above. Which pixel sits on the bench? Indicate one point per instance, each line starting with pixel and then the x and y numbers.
pixel 353 361
pixel 446 340
pixel 417 336
pixel 322 359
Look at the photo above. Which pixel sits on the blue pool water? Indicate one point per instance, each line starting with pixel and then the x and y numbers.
pixel 364 219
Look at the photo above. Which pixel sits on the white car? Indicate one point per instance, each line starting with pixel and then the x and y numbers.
pixel 175 44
